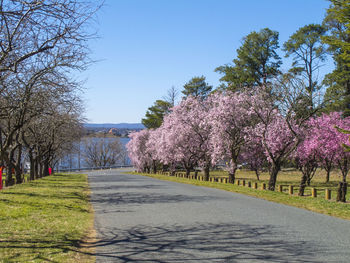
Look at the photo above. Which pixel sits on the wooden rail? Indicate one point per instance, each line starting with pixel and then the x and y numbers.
pixel 282 188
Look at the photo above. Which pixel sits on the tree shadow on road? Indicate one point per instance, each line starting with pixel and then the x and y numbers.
pixel 204 243
pixel 119 187
pixel 141 198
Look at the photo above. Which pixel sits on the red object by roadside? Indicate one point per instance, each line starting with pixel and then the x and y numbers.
pixel 50 170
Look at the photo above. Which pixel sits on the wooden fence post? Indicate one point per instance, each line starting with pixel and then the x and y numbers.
pixel 255 185
pixel 243 183
pixel 263 186
pixel 328 194
pixel 291 189
pixel 313 192
pixel 238 182
pixel 280 188
pixel 249 184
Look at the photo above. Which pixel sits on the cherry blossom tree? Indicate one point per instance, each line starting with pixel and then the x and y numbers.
pixel 329 144
pixel 229 119
pixel 170 146
pixel 253 155
pixel 138 152
pixel 306 157
pixel 153 146
pixel 319 140
pixel 279 134
pixel 185 136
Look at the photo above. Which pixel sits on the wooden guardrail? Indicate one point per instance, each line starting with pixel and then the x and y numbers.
pixel 283 188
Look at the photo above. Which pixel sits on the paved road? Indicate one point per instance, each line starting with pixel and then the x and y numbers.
pixel 140 219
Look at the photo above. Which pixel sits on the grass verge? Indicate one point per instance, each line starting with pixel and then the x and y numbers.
pixel 46 220
pixel 319 205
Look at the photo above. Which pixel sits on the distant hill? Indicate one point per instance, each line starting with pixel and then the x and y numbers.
pixel 130 126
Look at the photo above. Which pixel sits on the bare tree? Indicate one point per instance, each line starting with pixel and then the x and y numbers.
pixel 101 152
pixel 30 29
pixel 171 96
pixel 41 43
pixel 52 135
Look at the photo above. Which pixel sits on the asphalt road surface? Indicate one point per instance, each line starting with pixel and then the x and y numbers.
pixel 140 219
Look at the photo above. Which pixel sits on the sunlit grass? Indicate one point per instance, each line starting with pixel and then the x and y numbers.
pixel 45 220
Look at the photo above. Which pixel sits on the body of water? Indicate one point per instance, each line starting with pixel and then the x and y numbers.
pixel 76 159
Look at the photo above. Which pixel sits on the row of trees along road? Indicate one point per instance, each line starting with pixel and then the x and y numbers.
pixel 282 110
pixel 42 43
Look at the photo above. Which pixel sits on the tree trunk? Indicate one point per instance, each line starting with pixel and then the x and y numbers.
pixel 41 170
pixel 232 172
pixel 328 167
pixel 257 174
pixel 36 168
pixel 10 168
pixel 154 167
pixel 206 173
pixel 18 174
pixel 46 168
pixel 32 168
pixel 308 171
pixel 328 171
pixel 302 184
pixel 188 172
pixel 18 166
pixel 165 167
pixel 232 177
pixel 342 189
pixel 9 178
pixel 308 181
pixel 275 168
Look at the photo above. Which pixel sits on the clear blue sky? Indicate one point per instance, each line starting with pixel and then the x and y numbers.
pixel 147 46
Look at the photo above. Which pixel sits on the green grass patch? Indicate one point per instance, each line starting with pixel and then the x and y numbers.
pixel 46 220
pixel 320 205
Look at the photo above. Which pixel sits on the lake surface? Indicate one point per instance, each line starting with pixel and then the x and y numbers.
pixel 76 159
